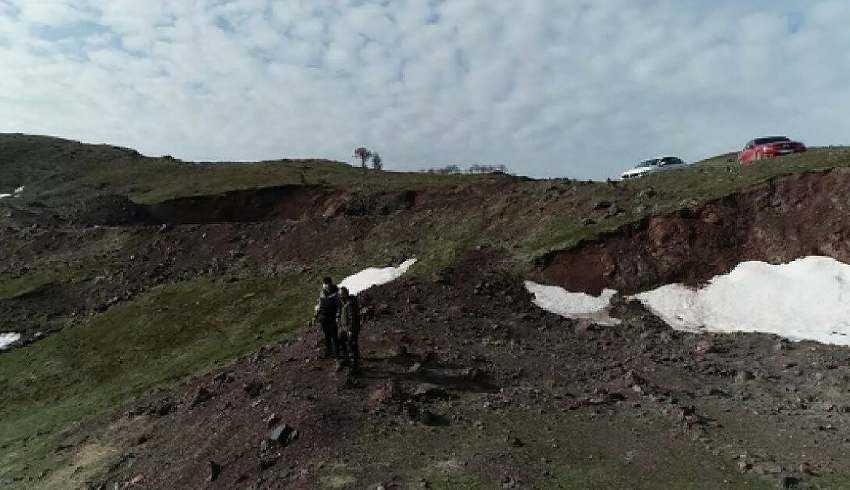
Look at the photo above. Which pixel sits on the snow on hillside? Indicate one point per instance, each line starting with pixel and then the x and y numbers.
pixel 808 299
pixel 573 305
pixel 375 276
pixel 16 193
pixel 7 339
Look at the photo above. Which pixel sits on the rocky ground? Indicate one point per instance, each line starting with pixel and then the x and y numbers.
pixel 466 383
pixel 162 308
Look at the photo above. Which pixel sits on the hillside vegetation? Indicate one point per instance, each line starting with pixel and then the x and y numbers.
pixel 122 294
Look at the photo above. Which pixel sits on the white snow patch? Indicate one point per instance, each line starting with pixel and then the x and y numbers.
pixel 375 276
pixel 7 339
pixel 573 305
pixel 16 193
pixel 807 299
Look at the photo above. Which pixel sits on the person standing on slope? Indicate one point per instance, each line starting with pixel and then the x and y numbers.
pixel 349 323
pixel 327 311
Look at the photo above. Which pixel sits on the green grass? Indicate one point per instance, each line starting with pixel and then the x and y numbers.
pixel 59 269
pixel 831 481
pixel 533 232
pixel 175 331
pixel 217 178
pixel 11 288
pixel 561 227
pixel 677 474
pixel 62 172
pixel 159 338
pixel 450 482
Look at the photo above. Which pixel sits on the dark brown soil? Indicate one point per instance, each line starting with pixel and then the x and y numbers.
pixel 468 356
pixel 281 203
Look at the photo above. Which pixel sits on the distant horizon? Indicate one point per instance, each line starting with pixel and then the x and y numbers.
pixel 352 161
pixel 550 88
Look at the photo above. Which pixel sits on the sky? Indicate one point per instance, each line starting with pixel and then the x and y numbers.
pixel 550 88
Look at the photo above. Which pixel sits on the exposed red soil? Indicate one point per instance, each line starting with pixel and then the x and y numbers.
pixel 789 218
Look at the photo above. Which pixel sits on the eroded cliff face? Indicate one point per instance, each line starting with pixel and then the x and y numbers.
pixel 787 218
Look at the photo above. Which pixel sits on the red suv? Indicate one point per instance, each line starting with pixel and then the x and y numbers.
pixel 769 147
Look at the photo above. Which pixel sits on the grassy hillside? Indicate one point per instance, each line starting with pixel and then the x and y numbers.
pixel 154 340
pixel 195 296
pixel 58 169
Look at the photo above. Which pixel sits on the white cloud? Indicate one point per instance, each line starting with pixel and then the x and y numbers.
pixel 50 12
pixel 549 87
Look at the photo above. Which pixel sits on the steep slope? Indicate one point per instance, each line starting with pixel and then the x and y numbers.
pixel 127 274
pixel 782 220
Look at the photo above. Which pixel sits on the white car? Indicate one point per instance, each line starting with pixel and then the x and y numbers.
pixel 654 165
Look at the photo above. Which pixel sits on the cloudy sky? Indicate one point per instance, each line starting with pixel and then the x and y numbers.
pixel 574 88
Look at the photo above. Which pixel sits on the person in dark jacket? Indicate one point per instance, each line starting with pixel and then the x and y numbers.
pixel 327 311
pixel 349 322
